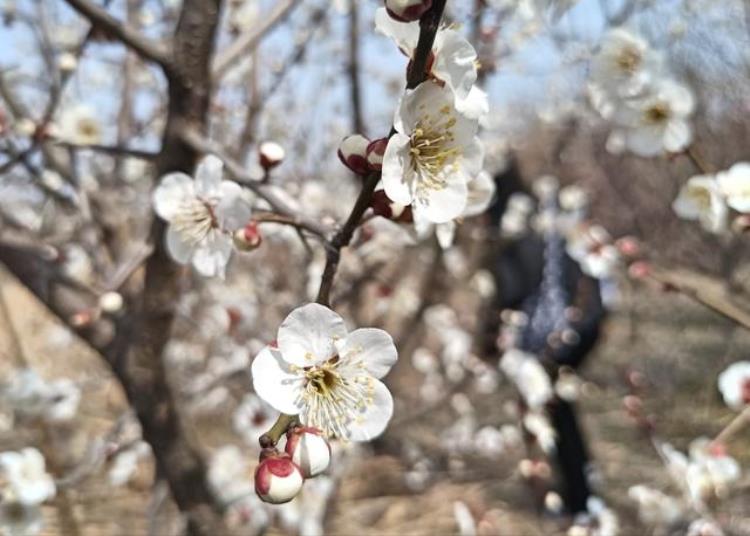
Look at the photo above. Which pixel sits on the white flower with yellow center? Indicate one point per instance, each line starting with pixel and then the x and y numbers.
pixel 700 199
pixel 79 124
pixel 326 375
pixel 625 65
pixel 202 215
pixel 658 122
pixel 735 186
pixel 432 156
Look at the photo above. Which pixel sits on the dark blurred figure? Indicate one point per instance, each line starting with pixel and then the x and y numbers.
pixel 564 312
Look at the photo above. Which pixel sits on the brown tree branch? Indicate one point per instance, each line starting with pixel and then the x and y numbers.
pixel 247 41
pixel 354 89
pixel 101 19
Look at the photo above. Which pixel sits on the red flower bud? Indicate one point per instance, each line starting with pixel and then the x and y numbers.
pixel 375 152
pixel 407 10
pixel 353 153
pixel 249 237
pixel 270 154
pixel 277 479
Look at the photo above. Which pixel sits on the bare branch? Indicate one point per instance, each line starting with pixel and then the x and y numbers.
pixel 249 40
pixel 114 150
pixel 101 19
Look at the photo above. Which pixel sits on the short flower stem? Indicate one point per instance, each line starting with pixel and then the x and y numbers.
pixel 279 428
pixel 737 424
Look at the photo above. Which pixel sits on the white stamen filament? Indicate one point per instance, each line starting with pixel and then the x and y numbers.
pixel 195 220
pixel 334 395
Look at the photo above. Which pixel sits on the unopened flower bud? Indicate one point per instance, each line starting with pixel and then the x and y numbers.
pixel 248 238
pixel 383 206
pixel 270 154
pixel 407 10
pixel 353 153
pixel 67 62
pixel 309 450
pixel 741 224
pixel 628 246
pixel 375 152
pixel 111 302
pixel 639 270
pixel 277 479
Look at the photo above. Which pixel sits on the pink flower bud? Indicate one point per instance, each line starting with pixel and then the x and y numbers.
pixel 383 206
pixel 741 224
pixel 407 10
pixel 248 238
pixel 628 246
pixel 353 153
pixel 270 154
pixel 375 152
pixel 639 270
pixel 309 450
pixel 277 479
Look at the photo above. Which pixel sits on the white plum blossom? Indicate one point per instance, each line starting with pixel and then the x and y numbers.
pixel 734 385
pixel 706 473
pixel 125 463
pixel 625 65
pixel 18 519
pixel 655 507
pixel 79 124
pixel 252 418
pixel 591 246
pixel 455 60
pixel 656 123
pixel 202 216
pixel 226 474
pixel 734 184
pixel 528 374
pixel 327 375
pixel 432 156
pixel 32 396
pixel 24 477
pixel 700 199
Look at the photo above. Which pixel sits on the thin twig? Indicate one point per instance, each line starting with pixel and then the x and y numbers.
pixel 141 44
pixel 200 143
pixel 247 41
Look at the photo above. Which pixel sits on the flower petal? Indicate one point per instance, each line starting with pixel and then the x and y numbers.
pixel 172 191
pixel 405 35
pixel 374 418
pixel 309 334
pixel 233 212
pixel 180 250
pixel 373 346
pixel 397 174
pixel 208 176
pixel 446 203
pixel 211 257
pixel 445 233
pixel 455 62
pixel 275 383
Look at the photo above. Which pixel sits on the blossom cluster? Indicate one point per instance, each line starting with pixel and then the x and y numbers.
pixel 709 199
pixel 630 84
pixel 24 485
